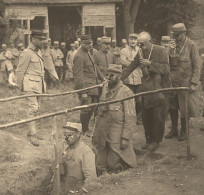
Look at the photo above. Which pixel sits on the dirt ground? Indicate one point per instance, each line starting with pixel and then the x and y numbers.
pixel 25 169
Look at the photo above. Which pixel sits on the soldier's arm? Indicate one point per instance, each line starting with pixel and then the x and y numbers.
pixel 78 72
pixel 161 67
pixel 123 57
pixel 99 73
pixel 61 54
pixel 129 117
pixel 128 70
pixel 196 63
pixel 24 60
pixel 89 167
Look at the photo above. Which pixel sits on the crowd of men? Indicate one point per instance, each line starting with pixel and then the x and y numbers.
pixel 138 66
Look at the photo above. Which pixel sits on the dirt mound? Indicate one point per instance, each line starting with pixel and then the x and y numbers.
pixel 24 169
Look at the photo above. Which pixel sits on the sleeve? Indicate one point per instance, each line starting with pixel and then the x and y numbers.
pixel 123 58
pixel 67 58
pixel 162 66
pixel 24 60
pixel 99 73
pixel 89 167
pixel 202 73
pixel 130 117
pixel 129 69
pixel 78 72
pixel 61 54
pixel 196 63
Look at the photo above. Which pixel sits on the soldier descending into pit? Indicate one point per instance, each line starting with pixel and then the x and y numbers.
pixel 30 79
pixel 115 125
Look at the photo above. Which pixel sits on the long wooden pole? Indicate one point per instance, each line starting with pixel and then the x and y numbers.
pixel 50 95
pixel 55 140
pixel 167 90
pixel 187 127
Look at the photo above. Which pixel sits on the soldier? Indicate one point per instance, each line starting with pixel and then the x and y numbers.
pixel 185 66
pixel 165 41
pixel 124 43
pixel 69 60
pixel 114 47
pixel 79 41
pixel 57 56
pixel 51 76
pixel 76 43
pixel 98 44
pixel 30 78
pixel 115 125
pixel 153 61
pixel 15 54
pixel 133 81
pixel 85 75
pixel 50 43
pixel 64 68
pixel 103 58
pixel 77 166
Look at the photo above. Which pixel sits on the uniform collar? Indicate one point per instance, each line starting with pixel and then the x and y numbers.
pixel 31 46
pixel 113 92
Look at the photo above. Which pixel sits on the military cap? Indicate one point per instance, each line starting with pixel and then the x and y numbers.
pixel 20 45
pixel 166 38
pixel 115 68
pixel 124 41
pixel 38 34
pixel 178 28
pixel 73 127
pixel 98 39
pixel 56 42
pixel 79 39
pixel 49 40
pixel 133 35
pixel 72 45
pixel 105 39
pixel 113 41
pixel 86 39
pixel 3 45
pixel 63 43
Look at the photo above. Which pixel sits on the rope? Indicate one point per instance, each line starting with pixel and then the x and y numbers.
pixel 88 106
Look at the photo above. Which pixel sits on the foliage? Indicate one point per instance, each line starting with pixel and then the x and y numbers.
pixel 156 16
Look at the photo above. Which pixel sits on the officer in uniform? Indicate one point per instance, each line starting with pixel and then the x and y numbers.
pixel 85 75
pixel 185 66
pixel 77 167
pixel 30 78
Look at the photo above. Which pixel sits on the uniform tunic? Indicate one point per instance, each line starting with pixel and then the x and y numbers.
pixel 116 121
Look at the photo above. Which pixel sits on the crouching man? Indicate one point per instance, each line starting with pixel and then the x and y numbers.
pixel 77 167
pixel 115 126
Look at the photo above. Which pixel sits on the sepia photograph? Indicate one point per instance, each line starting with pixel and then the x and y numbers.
pixel 102 97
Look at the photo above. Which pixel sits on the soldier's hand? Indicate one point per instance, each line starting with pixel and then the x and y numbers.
pixel 145 62
pixel 49 188
pixel 193 88
pixel 124 144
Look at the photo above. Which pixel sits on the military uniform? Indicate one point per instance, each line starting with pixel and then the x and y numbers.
pixel 85 76
pixel 185 66
pixel 64 68
pixel 30 79
pixel 114 122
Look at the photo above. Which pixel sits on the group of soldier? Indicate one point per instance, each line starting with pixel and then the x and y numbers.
pixel 139 66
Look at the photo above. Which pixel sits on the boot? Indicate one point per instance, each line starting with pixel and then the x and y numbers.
pixel 182 135
pixel 154 146
pixel 33 140
pixel 174 121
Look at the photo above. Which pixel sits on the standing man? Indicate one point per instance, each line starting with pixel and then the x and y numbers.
pixel 69 60
pixel 124 43
pixel 103 57
pixel 115 125
pixel 114 47
pixel 64 68
pixel 30 78
pixel 85 75
pixel 98 44
pixel 76 43
pixel 154 64
pixel 57 56
pixel 185 66
pixel 134 81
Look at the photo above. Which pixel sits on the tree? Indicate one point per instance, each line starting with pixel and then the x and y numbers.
pixel 130 11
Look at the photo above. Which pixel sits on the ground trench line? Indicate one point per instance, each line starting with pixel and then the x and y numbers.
pixel 167 90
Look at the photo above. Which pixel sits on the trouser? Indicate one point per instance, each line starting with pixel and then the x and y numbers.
pixel 33 104
pixel 59 71
pixel 64 72
pixel 173 111
pixel 86 114
pixel 49 79
pixel 154 123
pixel 138 100
pixel 107 159
pixel 70 70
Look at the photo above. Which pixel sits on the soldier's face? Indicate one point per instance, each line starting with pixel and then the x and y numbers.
pixel 38 42
pixel 113 79
pixel 71 137
pixel 165 44
pixel 132 42
pixel 105 47
pixel 179 37
pixel 86 46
